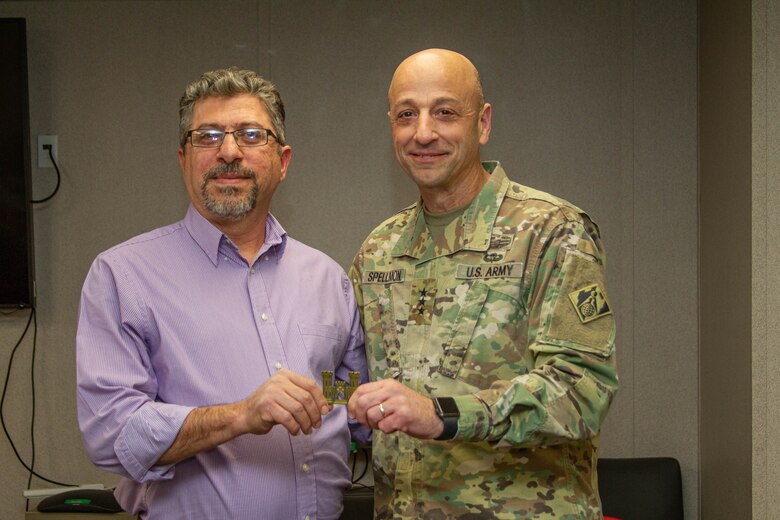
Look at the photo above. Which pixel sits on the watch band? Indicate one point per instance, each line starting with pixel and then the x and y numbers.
pixel 450 429
pixel 448 412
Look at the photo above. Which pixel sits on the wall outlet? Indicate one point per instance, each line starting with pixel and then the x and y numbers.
pixel 44 161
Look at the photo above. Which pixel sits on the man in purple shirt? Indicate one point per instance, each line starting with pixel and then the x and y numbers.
pixel 200 343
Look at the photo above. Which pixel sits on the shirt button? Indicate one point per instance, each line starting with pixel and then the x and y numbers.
pixel 252 270
pixel 305 468
pixel 277 365
pixel 264 317
pixel 307 517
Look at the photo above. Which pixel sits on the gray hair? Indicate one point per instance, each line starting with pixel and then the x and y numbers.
pixel 227 83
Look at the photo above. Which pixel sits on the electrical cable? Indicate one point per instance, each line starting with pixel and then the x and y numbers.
pixel 32 418
pixel 365 468
pixel 354 464
pixel 57 169
pixel 356 481
pixel 5 391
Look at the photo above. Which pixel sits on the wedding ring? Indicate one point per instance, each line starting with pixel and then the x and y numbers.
pixel 382 409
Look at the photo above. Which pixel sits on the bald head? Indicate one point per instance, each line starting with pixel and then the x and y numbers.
pixel 439 120
pixel 438 64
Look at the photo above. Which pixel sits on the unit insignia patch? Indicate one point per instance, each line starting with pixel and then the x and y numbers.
pixel 590 303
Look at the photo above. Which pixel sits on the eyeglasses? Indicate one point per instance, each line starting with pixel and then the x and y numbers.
pixel 208 138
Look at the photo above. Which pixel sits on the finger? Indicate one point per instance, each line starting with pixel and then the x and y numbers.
pixel 384 390
pixel 298 405
pixel 310 386
pixel 356 411
pixel 371 419
pixel 388 425
pixel 302 405
pixel 279 415
pixel 353 407
pixel 380 414
pixel 366 411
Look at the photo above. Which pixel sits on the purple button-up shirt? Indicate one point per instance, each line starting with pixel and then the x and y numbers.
pixel 176 319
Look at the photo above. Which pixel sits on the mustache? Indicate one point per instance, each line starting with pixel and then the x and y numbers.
pixel 234 168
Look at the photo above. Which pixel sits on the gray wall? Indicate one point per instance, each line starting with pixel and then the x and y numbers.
pixel 593 101
pixel 766 258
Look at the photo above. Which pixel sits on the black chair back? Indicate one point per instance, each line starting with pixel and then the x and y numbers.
pixel 641 488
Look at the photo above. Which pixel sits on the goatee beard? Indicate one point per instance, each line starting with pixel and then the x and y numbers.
pixel 229 203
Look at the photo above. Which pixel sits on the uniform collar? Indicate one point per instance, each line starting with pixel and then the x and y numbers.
pixel 471 231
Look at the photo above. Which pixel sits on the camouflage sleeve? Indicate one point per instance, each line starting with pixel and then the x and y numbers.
pixel 571 333
pixel 355 275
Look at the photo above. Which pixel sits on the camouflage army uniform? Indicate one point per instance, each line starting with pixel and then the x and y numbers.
pixel 507 314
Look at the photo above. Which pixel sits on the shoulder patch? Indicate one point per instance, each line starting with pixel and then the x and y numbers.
pixel 590 303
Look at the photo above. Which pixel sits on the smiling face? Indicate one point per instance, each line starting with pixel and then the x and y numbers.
pixel 232 183
pixel 438 121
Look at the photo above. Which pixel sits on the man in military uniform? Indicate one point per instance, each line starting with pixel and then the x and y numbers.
pixel 489 333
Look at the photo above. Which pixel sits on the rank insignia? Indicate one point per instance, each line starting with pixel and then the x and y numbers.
pixel 339 392
pixel 590 303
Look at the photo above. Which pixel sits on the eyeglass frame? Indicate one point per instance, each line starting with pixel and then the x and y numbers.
pixel 268 132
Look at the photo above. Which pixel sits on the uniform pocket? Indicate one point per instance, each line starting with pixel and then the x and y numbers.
pixel 484 343
pixel 382 345
pixel 462 329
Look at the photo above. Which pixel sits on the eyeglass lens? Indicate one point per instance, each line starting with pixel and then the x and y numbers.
pixel 243 137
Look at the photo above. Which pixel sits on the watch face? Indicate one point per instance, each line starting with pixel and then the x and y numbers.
pixel 447 407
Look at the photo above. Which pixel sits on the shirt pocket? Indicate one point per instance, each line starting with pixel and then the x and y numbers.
pixel 486 337
pixel 325 345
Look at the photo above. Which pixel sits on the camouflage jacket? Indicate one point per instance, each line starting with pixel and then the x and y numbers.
pixel 508 314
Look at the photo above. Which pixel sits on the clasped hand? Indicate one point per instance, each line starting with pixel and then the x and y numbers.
pixel 287 398
pixel 389 406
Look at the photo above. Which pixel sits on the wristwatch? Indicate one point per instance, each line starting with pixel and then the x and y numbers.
pixel 447 410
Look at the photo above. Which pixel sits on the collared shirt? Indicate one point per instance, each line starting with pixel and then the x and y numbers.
pixel 506 311
pixel 176 319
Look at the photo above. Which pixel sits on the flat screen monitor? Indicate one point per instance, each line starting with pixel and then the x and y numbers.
pixel 17 280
